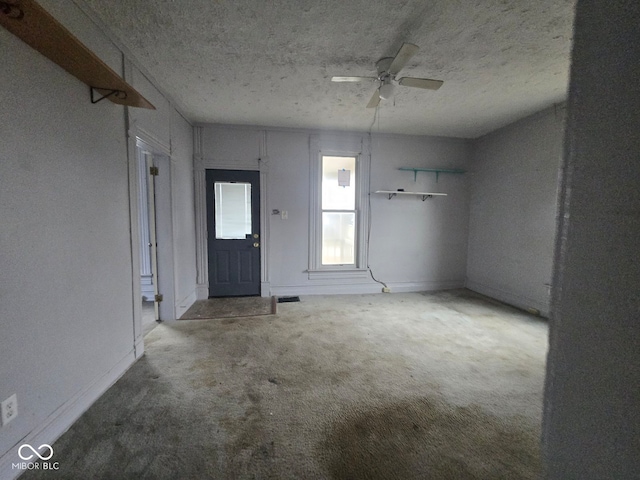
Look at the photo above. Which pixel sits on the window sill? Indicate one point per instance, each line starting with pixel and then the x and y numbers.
pixel 336 274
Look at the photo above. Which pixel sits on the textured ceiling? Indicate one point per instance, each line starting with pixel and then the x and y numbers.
pixel 270 62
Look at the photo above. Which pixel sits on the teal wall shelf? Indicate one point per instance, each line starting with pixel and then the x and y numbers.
pixel 437 171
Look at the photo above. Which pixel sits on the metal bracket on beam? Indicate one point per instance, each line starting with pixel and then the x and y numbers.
pixel 118 93
pixel 12 11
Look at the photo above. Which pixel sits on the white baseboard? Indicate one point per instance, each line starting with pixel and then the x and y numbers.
pixel 284 290
pixel 363 288
pixel 64 417
pixel 184 304
pixel 519 301
pixel 139 347
pixel 147 291
pixel 146 287
pixel 202 291
pixel 404 287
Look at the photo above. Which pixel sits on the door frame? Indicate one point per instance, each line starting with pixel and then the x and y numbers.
pixel 164 236
pixel 201 165
pixel 214 175
pixel 147 266
pixel 138 136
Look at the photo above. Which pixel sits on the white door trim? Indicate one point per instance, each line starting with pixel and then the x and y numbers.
pixel 200 165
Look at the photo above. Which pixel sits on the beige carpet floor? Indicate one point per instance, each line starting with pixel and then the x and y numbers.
pixel 230 307
pixel 402 386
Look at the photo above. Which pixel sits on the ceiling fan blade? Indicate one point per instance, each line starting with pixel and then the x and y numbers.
pixel 353 79
pixel 407 51
pixel 375 99
pixel 421 83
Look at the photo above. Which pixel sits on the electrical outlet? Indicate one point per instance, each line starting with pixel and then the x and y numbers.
pixel 386 290
pixel 284 214
pixel 9 409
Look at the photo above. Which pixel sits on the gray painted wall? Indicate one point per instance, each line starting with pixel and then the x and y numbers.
pixel 415 245
pixel 67 280
pixel 592 402
pixel 183 213
pixel 513 210
pixel 416 242
pixel 65 291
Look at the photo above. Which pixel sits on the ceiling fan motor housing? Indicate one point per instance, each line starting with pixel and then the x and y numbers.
pixel 386 89
pixel 383 65
pixel 387 69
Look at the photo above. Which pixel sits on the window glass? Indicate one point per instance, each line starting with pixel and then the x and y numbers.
pixel 338 234
pixel 232 210
pixel 335 196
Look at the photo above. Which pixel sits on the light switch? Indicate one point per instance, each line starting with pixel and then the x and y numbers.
pixel 284 214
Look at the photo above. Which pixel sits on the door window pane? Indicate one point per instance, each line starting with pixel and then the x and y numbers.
pixel 232 210
pixel 334 196
pixel 338 230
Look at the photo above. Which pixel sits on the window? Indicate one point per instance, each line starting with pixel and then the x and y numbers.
pixel 232 210
pixel 338 209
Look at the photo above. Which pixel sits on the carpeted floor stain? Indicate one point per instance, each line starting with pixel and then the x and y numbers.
pixel 250 449
pixel 412 389
pixel 420 438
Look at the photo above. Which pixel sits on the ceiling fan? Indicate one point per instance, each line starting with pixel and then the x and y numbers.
pixel 388 68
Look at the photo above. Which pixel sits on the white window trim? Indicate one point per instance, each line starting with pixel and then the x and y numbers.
pixel 339 146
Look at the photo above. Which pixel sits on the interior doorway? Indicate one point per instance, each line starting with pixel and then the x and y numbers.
pixel 148 244
pixel 234 239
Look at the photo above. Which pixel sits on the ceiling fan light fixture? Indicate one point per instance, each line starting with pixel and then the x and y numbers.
pixel 386 91
pixel 388 69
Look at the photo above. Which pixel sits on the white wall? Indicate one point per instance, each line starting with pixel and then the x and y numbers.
pixel 65 272
pixel 67 281
pixel 513 210
pixel 170 136
pixel 184 240
pixel 418 245
pixel 415 245
pixel 592 401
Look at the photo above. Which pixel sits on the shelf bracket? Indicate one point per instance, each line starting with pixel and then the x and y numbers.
pixel 118 93
pixel 11 11
pixel 391 195
pixel 424 197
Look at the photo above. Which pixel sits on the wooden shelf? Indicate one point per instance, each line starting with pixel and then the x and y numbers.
pixel 27 20
pixel 424 195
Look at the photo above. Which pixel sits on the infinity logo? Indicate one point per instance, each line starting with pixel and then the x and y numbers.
pixel 35 452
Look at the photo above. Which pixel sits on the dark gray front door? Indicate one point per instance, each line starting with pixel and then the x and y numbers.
pixel 233 221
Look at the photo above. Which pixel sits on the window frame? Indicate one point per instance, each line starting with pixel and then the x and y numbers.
pixel 338 147
pixel 218 209
pixel 354 211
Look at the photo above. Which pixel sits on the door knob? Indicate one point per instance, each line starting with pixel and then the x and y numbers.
pixel 256 244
